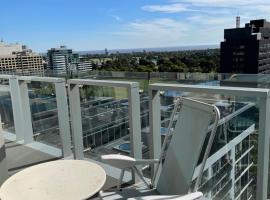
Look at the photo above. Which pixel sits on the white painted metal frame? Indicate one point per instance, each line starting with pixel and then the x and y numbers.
pixel 6 88
pixel 21 110
pixel 264 126
pixel 18 86
pixel 3 160
pixel 15 88
pixel 134 113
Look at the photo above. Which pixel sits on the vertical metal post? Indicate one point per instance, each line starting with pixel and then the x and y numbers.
pixel 3 164
pixel 16 107
pixel 134 122
pixel 26 112
pixel 233 172
pixel 21 110
pixel 210 173
pixel 63 117
pixel 263 149
pixel 76 121
pixel 155 123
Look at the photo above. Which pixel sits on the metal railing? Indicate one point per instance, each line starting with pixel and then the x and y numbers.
pixel 263 96
pixel 18 88
pixel 3 165
pixel 133 113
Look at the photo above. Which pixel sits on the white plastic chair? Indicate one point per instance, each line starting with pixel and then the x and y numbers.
pixel 182 154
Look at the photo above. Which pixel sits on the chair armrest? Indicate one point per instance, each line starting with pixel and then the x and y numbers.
pixel 192 196
pixel 122 161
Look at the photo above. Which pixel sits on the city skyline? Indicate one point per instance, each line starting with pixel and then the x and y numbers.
pixel 93 25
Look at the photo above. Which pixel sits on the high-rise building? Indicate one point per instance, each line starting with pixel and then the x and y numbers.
pixel 84 64
pixel 62 59
pixel 246 50
pixel 8 49
pixel 18 59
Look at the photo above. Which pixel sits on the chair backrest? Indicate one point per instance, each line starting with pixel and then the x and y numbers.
pixel 185 147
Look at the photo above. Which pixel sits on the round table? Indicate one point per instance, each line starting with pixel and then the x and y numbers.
pixel 56 180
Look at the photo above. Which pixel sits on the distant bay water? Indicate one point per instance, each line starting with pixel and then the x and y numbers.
pixel 157 49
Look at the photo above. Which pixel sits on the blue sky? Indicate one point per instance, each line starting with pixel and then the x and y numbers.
pixel 116 24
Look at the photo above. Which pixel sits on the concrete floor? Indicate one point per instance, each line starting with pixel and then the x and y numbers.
pixel 20 157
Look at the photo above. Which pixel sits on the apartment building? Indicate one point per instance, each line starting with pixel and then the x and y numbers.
pixel 18 59
pixel 8 49
pixel 229 171
pixel 62 59
pixel 246 50
pixel 84 64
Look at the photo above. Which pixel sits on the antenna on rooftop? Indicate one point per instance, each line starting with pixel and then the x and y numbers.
pixel 237 21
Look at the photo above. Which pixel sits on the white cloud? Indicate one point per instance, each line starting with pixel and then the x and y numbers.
pixel 170 8
pixel 117 18
pixel 161 24
pixel 156 32
pixel 256 8
pixel 222 3
pixel 204 22
pixel 221 13
pixel 260 9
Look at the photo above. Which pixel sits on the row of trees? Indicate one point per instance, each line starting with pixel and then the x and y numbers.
pixel 180 61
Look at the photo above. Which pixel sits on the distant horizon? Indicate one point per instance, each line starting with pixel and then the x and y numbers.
pixel 86 25
pixel 154 49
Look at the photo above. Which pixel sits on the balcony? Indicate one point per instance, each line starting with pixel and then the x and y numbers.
pixel 51 118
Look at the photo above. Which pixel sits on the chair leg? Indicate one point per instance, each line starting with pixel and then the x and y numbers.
pixel 141 176
pixel 100 195
pixel 121 179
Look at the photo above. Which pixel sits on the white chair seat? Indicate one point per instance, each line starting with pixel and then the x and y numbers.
pixel 123 162
pixel 141 193
pixel 192 196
